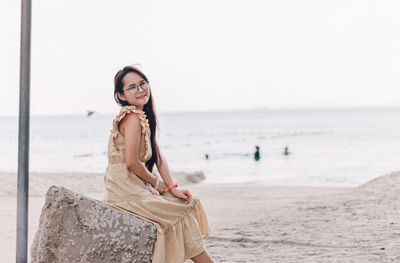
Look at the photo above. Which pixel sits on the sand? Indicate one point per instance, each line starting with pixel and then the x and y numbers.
pixel 251 223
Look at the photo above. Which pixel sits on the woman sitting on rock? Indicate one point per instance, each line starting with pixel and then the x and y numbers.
pixel 131 186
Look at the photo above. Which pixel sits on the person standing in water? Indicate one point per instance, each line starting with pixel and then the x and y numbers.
pixel 286 152
pixel 257 154
pixel 131 185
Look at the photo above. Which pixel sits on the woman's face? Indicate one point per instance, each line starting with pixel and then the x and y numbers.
pixel 136 90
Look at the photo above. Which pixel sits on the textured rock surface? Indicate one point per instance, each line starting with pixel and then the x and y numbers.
pixel 74 228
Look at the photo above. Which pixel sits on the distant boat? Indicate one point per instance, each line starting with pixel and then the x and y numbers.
pixel 83 155
pixel 89 113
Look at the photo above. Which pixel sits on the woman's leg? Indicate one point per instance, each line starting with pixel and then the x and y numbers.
pixel 203 257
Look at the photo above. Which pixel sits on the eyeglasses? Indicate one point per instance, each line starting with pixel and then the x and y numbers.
pixel 134 88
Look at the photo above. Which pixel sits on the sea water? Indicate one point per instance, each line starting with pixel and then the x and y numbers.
pixel 330 147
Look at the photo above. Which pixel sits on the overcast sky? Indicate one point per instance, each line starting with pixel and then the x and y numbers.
pixel 205 55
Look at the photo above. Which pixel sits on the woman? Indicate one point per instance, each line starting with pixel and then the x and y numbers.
pixel 131 186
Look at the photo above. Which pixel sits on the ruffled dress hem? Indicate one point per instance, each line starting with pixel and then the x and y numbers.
pixel 193 224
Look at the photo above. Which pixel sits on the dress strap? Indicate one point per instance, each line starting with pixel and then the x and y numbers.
pixel 128 109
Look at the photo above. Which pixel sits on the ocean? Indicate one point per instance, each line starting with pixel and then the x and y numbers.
pixel 328 147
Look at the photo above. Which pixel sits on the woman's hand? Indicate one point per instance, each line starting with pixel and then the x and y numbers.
pixel 152 189
pixel 160 186
pixel 184 194
pixel 157 189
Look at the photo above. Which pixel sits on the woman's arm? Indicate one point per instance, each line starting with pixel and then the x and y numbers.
pixel 166 176
pixel 131 129
pixel 163 169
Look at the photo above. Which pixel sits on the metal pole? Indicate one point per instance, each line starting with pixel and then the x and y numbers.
pixel 23 133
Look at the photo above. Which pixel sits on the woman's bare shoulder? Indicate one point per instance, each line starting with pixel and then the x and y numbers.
pixel 130 121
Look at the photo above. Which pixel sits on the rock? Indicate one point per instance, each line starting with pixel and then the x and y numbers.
pixel 74 228
pixel 186 178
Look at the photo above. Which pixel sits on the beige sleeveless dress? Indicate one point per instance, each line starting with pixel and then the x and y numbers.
pixel 180 227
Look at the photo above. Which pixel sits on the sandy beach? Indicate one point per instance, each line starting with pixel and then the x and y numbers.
pixel 251 223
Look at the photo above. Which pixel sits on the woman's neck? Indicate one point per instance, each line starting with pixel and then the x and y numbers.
pixel 138 107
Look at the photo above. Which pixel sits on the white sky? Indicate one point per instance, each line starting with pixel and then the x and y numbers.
pixel 205 55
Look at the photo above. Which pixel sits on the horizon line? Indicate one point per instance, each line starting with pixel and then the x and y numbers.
pixel 260 109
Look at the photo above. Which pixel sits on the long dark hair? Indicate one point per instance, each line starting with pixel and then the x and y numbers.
pixel 148 108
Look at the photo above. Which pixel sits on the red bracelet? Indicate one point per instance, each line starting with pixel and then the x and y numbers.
pixel 172 185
